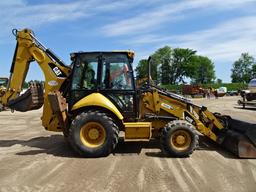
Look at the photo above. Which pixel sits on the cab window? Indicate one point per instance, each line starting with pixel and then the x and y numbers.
pixel 85 73
pixel 116 74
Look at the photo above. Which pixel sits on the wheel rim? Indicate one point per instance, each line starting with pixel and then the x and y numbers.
pixel 92 134
pixel 180 140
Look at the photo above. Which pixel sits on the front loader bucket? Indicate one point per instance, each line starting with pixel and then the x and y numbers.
pixel 240 139
pixel 32 99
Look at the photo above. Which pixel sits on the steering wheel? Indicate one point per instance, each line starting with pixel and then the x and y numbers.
pixel 117 84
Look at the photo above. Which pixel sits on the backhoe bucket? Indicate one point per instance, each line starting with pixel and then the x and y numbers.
pixel 32 99
pixel 240 139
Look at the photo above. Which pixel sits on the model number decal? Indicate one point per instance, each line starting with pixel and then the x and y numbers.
pixel 189 119
pixel 166 106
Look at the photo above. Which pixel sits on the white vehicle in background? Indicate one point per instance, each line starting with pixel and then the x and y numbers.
pixel 221 91
pixel 249 96
pixel 252 86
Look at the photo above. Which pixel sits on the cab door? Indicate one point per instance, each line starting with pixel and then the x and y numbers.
pixel 117 83
pixel 84 78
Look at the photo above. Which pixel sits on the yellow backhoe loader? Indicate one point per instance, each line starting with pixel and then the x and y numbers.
pixel 95 97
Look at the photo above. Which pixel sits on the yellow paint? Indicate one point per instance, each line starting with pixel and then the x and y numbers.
pixel 138 131
pixel 156 101
pixel 92 135
pixel 97 99
pixel 37 54
pixel 180 140
pixel 129 52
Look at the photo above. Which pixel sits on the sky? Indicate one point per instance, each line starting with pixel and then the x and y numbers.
pixel 218 29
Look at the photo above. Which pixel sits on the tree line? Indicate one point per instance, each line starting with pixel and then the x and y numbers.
pixel 244 69
pixel 26 84
pixel 175 65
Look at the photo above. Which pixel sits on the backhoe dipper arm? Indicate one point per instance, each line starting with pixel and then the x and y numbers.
pixel 28 49
pixel 18 71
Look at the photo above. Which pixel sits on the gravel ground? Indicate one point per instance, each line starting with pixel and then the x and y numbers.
pixel 32 159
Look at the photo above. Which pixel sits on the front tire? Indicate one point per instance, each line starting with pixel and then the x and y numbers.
pixel 93 134
pixel 179 139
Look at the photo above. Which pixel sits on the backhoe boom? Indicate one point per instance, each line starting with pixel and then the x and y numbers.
pixel 29 49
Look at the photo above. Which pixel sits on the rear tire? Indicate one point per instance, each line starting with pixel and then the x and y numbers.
pixel 179 139
pixel 93 134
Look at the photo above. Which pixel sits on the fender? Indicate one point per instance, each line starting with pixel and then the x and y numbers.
pixel 97 99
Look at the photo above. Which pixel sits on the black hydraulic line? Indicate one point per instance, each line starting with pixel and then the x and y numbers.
pixel 14 58
pixel 55 57
pixel 152 116
pixel 14 32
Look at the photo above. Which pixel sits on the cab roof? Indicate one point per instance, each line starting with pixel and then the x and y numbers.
pixel 128 52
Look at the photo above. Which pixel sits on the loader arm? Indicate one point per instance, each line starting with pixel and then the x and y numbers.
pixel 29 49
pixel 236 136
pixel 182 108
